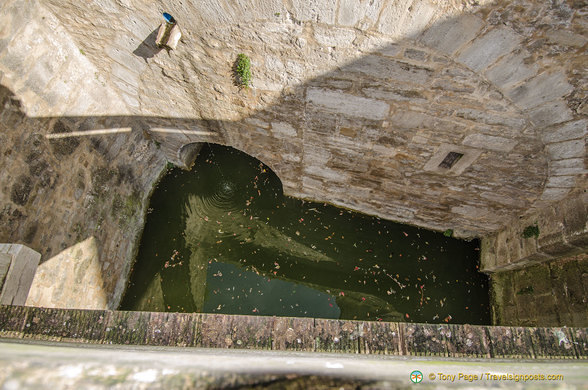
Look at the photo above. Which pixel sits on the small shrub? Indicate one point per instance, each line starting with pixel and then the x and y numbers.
pixel 531 231
pixel 243 70
pixel 525 290
pixel 448 233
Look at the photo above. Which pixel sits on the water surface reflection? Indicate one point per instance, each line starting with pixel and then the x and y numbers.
pixel 222 238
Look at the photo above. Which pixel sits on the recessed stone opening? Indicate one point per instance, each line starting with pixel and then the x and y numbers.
pixel 450 160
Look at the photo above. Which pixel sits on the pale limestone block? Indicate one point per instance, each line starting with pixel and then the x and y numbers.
pixel 406 18
pixel 561 181
pixel 543 88
pixel 551 113
pixel 359 12
pixel 412 119
pixel 20 274
pixel 572 166
pixel 448 36
pixel 567 149
pixel 317 155
pixel 321 11
pixel 571 130
pixel 566 38
pixel 267 9
pixel 553 194
pixel 72 279
pixel 346 104
pixel 283 129
pixel 334 37
pixel 511 70
pixel 214 12
pixel 488 48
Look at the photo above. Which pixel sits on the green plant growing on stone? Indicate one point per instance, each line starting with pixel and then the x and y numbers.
pixel 525 290
pixel 531 231
pixel 448 233
pixel 169 165
pixel 242 70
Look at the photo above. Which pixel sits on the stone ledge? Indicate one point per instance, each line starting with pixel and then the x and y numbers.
pixel 290 334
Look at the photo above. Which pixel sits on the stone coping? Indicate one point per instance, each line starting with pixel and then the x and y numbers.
pixel 290 334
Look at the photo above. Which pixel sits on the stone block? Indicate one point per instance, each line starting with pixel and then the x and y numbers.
pixel 406 18
pixel 283 129
pixel 551 113
pixel 491 118
pixel 5 260
pixel 553 194
pixel 572 166
pixel 567 149
pixel 448 36
pixel 386 69
pixel 359 13
pixel 469 156
pixel 561 181
pixel 511 70
pixel 490 142
pixel 20 274
pixel 485 50
pixel 321 11
pixel 346 104
pixel 334 37
pixel 568 131
pixel 541 89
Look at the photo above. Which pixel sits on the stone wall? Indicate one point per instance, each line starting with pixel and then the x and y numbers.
pixel 351 103
pixel 58 192
pixel 556 231
pixel 364 99
pixel 549 294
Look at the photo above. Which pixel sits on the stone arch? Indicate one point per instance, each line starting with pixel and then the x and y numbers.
pixel 523 53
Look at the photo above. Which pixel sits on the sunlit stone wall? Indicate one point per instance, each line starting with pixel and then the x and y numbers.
pixel 354 103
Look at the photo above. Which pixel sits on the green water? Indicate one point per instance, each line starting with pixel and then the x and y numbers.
pixel 222 238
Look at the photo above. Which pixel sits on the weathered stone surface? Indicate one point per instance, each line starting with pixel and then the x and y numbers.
pixel 337 336
pixel 511 70
pixel 561 181
pixel 541 89
pixel 483 141
pixel 354 12
pixel 425 340
pixel 19 275
pixel 567 149
pixel 314 10
pixel 425 61
pixel 345 104
pixel 568 131
pixel 486 49
pixel 450 35
pixel 550 113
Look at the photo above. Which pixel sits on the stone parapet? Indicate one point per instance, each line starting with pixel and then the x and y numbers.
pixel 291 334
